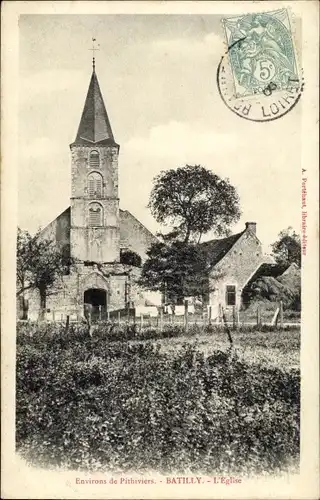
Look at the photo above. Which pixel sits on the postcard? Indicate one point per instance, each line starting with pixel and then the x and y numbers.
pixel 159 250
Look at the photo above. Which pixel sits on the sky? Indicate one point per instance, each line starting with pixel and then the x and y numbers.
pixel 157 74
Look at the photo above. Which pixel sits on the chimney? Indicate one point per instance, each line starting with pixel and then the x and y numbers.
pixel 251 226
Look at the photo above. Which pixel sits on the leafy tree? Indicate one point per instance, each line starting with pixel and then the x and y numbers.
pixel 130 258
pixel 39 264
pixel 287 249
pixel 195 201
pixel 176 268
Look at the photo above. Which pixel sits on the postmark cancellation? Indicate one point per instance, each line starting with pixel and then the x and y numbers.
pixel 259 69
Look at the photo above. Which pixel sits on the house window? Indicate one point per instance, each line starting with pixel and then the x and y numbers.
pixel 94 159
pixel 95 215
pixel 95 185
pixel 230 295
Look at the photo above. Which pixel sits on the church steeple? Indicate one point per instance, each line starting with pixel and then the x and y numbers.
pixel 95 226
pixel 94 125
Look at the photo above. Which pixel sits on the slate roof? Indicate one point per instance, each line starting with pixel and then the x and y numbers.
pixel 94 125
pixel 219 248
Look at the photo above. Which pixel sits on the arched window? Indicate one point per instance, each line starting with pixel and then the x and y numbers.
pixel 95 215
pixel 95 185
pixel 94 159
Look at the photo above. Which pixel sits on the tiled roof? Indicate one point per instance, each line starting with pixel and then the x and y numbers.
pixel 94 125
pixel 219 248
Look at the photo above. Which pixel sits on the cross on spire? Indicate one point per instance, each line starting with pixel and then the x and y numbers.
pixel 94 48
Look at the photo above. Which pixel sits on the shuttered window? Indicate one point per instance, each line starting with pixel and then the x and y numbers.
pixel 231 295
pixel 94 159
pixel 95 185
pixel 95 215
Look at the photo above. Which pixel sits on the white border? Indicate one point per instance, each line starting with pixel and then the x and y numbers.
pixel 22 482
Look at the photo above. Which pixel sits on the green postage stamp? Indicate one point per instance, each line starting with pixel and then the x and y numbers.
pixel 261 53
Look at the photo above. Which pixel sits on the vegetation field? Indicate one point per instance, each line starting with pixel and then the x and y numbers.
pixel 269 348
pixel 138 402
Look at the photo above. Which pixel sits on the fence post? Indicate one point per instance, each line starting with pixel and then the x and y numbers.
pixel 221 319
pixel 161 318
pixel 224 319
pixel 209 314
pixel 89 324
pixel 281 314
pixel 235 317
pixel 119 317
pixel 100 313
pixel 275 318
pixel 258 316
pixel 108 315
pixel 53 316
pixel 67 325
pixel 203 318
pixel 141 321
pixel 186 315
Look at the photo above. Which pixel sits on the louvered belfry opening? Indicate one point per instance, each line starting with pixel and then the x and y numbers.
pixel 94 161
pixel 95 215
pixel 95 185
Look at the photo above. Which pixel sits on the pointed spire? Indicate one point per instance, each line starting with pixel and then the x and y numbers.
pixel 94 124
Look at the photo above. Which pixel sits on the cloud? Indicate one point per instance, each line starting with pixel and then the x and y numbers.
pixel 49 81
pixel 166 146
pixel 179 143
pixel 251 159
pixel 43 182
pixel 40 147
pixel 210 44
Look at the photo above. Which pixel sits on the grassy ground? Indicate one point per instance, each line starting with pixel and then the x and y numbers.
pixel 280 349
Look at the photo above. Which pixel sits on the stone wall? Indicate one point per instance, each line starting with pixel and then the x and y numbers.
pixel 58 230
pixel 133 235
pixel 80 169
pixel 67 296
pixel 100 244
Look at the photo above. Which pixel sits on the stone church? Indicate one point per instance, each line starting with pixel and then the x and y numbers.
pixel 96 233
pixel 93 229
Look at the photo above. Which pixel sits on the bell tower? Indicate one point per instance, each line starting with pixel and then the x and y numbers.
pixel 95 232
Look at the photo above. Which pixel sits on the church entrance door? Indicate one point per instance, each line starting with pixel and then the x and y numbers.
pixel 95 303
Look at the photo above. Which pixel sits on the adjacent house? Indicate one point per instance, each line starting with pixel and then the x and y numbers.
pixel 234 261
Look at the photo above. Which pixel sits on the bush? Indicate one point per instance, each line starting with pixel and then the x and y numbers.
pixel 269 288
pixel 130 258
pixel 90 404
